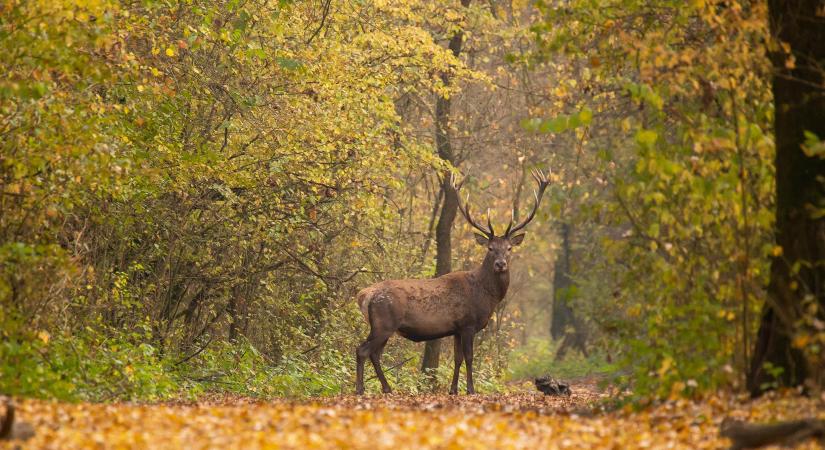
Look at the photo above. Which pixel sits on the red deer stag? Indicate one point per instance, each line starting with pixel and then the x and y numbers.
pixel 458 304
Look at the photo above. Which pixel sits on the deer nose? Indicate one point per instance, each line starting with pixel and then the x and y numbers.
pixel 501 266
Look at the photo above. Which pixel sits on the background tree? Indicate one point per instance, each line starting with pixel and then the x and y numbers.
pixel 789 347
pixel 444 227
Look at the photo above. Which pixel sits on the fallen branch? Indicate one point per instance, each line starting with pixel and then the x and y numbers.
pixel 750 435
pixel 9 429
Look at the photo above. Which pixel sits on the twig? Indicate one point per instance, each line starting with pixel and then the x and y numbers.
pixel 211 338
pixel 393 367
pixel 323 20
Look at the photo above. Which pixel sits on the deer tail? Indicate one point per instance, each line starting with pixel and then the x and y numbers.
pixel 364 297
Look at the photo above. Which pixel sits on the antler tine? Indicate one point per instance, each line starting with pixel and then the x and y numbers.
pixel 510 225
pixel 539 176
pixel 465 211
pixel 490 224
pixel 541 179
pixel 456 186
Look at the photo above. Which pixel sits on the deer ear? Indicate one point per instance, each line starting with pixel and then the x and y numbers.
pixel 481 239
pixel 516 240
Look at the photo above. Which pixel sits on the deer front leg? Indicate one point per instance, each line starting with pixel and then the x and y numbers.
pixel 458 354
pixel 467 346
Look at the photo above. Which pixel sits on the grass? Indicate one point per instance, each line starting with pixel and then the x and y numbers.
pixel 537 358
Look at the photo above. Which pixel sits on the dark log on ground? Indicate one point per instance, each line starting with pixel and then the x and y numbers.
pixel 750 435
pixel 9 429
pixel 550 386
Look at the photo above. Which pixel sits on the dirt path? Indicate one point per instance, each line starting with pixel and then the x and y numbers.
pixel 523 420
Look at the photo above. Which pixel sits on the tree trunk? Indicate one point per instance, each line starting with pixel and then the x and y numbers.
pixel 443 265
pixel 562 313
pixel 564 322
pixel 796 297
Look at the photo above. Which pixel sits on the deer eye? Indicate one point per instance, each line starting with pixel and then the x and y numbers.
pixel 490 247
pixel 509 247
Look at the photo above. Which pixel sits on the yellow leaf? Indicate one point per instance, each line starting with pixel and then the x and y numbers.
pixel 170 51
pixel 666 365
pixel 801 341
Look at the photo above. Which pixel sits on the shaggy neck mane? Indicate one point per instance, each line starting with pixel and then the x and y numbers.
pixel 496 283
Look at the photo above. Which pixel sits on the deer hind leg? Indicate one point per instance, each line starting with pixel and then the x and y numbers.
pixel 372 349
pixel 458 356
pixel 382 325
pixel 361 354
pixel 375 357
pixel 467 346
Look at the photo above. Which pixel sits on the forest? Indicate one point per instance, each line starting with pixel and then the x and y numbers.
pixel 203 205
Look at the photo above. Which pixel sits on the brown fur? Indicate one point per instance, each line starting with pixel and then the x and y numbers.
pixel 458 304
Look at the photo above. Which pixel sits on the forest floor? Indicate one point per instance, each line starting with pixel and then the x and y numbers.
pixel 523 419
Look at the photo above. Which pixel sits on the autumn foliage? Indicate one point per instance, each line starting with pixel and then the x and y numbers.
pixel 191 194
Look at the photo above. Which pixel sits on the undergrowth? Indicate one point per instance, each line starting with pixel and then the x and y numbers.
pixel 537 358
pixel 102 364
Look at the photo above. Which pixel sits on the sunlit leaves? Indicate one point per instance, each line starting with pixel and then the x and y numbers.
pixel 646 138
pixel 689 153
pixel 644 93
pixel 560 123
pixel 514 421
pixel 213 142
pixel 813 146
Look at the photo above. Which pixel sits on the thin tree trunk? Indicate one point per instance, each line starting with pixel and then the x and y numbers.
pixel 432 349
pixel 564 322
pixel 562 313
pixel 799 100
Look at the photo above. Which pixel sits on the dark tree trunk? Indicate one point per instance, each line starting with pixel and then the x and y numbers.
pixel 443 265
pixel 564 322
pixel 562 313
pixel 799 100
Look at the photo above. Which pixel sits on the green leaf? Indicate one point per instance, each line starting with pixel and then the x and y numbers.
pixel 554 125
pixel 531 124
pixel 288 63
pixel 586 115
pixel 646 138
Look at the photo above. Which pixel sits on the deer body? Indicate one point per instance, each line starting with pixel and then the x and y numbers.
pixel 457 304
pixel 439 307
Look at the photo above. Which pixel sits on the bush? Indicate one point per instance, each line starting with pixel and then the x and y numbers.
pixel 537 358
pixel 87 365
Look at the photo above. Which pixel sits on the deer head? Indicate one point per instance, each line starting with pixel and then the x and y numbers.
pixel 499 247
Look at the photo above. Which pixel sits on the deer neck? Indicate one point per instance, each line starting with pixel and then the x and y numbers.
pixel 492 282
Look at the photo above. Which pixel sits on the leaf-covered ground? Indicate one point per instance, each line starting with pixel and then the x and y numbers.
pixel 519 420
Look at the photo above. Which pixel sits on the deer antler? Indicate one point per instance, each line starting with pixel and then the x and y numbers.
pixel 465 211
pixel 541 179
